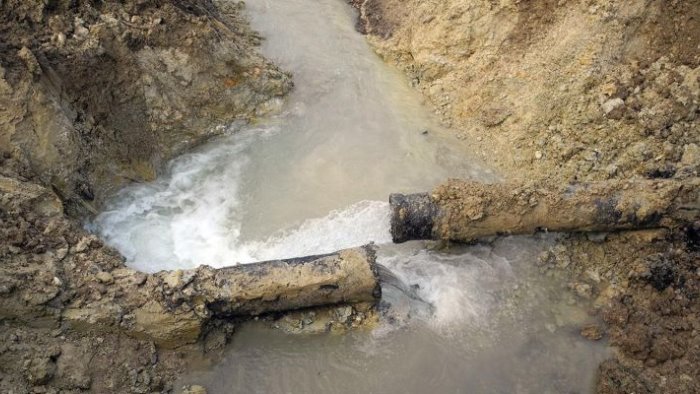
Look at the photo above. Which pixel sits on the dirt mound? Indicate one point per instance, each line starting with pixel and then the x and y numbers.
pixel 568 89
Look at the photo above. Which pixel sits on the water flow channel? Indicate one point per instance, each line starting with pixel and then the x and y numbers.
pixel 315 178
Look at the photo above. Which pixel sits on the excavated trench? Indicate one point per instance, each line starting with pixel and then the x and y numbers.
pixel 315 179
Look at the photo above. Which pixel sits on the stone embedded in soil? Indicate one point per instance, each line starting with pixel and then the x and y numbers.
pixel 40 370
pixel 614 108
pixel 583 290
pixel 104 277
pixel 592 331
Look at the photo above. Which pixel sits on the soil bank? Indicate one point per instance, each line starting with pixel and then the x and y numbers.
pixel 573 91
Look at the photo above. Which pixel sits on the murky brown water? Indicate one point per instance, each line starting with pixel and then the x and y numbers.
pixel 316 179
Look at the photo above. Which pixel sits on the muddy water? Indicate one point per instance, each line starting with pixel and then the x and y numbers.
pixel 314 179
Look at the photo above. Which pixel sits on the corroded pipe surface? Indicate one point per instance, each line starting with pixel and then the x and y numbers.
pixel 172 308
pixel 347 276
pixel 465 211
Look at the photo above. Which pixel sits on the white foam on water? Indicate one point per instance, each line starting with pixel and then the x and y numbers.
pixel 359 224
pixel 459 287
pixel 182 219
pixel 182 222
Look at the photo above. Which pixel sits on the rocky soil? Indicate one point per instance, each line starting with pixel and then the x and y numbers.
pixel 93 95
pixel 571 91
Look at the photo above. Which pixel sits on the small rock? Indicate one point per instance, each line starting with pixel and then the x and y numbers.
pixel 109 19
pixel 690 161
pixel 41 370
pixel 614 108
pixel 83 244
pixel 139 278
pixel 592 332
pixel 538 155
pixel 583 290
pixel 104 277
pixel 611 170
pixel 343 313
pixel 59 39
pixel 307 320
pixel 80 32
pixel 173 279
pixel 593 275
pixel 61 253
pixel 30 60
pixel 494 116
